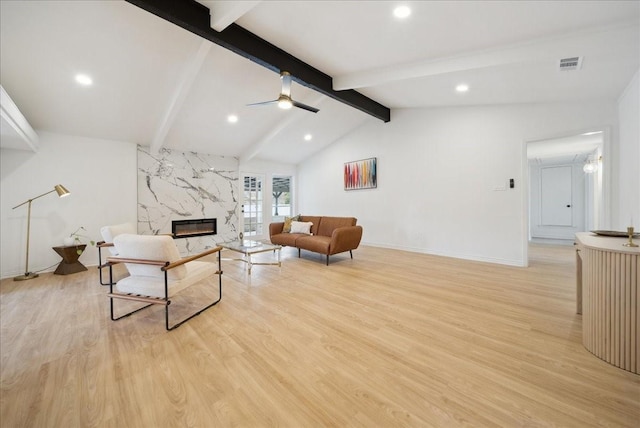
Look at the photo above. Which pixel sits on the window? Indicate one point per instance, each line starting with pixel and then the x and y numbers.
pixel 252 206
pixel 281 202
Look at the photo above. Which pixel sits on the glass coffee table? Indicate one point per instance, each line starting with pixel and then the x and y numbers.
pixel 248 248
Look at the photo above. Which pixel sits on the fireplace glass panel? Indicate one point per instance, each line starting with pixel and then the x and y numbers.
pixel 194 227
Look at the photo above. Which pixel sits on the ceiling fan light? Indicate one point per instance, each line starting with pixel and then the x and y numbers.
pixel 284 103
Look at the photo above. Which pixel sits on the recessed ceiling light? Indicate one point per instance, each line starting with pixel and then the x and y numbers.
pixel 84 80
pixel 308 137
pixel 232 118
pixel 401 12
pixel 462 87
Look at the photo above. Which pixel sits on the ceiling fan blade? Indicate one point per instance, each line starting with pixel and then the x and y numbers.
pixel 305 107
pixel 264 103
pixel 285 77
pixel 284 100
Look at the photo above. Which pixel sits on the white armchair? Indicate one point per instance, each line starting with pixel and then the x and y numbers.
pixel 108 233
pixel 156 272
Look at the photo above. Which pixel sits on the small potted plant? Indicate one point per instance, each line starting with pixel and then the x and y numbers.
pixel 74 239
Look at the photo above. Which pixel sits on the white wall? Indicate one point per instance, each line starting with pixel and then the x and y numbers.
pixel 437 169
pixel 628 195
pixel 101 176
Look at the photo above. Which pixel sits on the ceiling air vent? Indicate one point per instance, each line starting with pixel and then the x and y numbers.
pixel 568 64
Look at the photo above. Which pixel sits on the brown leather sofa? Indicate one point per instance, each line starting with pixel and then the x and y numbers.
pixel 329 235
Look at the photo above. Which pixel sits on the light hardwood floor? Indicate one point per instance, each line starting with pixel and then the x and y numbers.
pixel 387 339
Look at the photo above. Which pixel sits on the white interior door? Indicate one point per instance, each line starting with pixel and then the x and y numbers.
pixel 252 206
pixel 556 206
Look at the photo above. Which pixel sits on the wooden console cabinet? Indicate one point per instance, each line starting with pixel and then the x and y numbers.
pixel 608 298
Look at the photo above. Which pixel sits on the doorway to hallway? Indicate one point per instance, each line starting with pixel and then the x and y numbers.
pixel 563 196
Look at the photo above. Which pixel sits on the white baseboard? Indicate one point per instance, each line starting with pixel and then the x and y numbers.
pixel 471 257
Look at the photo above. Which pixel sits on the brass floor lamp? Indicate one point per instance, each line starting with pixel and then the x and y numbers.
pixel 58 188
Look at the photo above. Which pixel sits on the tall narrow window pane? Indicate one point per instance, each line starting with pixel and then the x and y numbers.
pixel 281 201
pixel 252 206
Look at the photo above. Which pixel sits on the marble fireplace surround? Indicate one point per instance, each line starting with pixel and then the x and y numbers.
pixel 174 185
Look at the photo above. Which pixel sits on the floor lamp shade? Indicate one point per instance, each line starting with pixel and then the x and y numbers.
pixel 61 191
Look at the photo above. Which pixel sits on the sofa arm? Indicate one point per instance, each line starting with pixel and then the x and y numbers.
pixel 275 228
pixel 345 239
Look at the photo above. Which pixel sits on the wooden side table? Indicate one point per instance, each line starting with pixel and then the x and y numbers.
pixel 69 263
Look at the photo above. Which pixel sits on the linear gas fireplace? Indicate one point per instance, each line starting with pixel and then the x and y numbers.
pixel 194 227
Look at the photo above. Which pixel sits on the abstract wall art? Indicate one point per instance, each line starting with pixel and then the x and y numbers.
pixel 362 174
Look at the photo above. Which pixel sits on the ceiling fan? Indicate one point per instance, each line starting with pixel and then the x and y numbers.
pixel 284 101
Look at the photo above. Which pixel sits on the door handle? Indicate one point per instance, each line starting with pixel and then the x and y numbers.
pixel 568 206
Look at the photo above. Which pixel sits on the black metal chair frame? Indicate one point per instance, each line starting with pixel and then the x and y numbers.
pixel 165 266
pixel 101 265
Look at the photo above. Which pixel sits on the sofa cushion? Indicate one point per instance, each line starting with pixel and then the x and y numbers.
pixel 301 227
pixel 313 219
pixel 318 244
pixel 287 223
pixel 328 224
pixel 286 239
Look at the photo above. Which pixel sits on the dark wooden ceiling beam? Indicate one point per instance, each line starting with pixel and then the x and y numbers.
pixel 195 17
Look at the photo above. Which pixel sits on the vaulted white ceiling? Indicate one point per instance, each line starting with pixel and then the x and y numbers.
pixel 157 84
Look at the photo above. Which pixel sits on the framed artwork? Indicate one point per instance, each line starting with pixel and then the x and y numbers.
pixel 362 174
